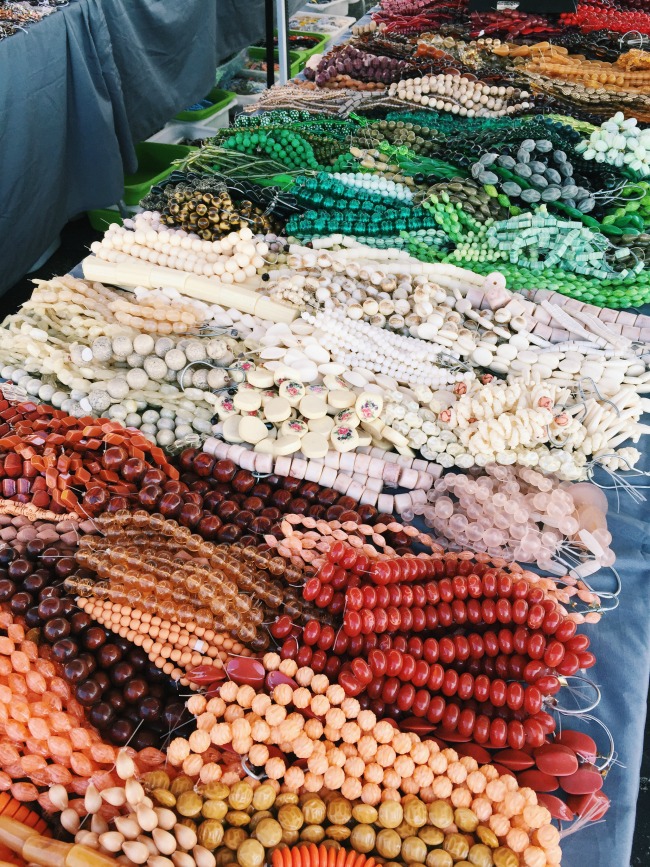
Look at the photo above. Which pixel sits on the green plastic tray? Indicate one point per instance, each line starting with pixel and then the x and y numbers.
pixel 102 218
pixel 154 163
pixel 296 60
pixel 220 99
pixel 307 52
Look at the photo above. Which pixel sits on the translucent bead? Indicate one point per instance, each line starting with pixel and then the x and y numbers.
pixel 203 618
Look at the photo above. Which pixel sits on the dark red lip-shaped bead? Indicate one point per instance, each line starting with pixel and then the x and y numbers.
pixel 515 760
pixel 205 674
pixel 275 678
pixel 244 670
pixel 538 781
pixel 454 737
pixel 417 726
pixel 557 808
pixel 474 751
pixel 580 743
pixel 593 805
pixel 585 781
pixel 557 760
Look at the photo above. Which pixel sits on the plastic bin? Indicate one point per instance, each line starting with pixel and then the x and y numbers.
pixel 231 68
pixel 316 48
pixel 244 99
pixel 334 7
pixel 296 61
pixel 221 101
pixel 334 27
pixel 154 163
pixel 177 133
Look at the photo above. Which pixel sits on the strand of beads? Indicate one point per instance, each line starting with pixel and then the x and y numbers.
pixel 233 259
pixel 172 649
pixel 361 476
pixel 528 515
pixel 353 752
pixel 460 96
pixel 180 816
pixel 141 549
pixel 619 141
pixel 374 272
pixel 52 460
pixel 37 706
pixel 393 539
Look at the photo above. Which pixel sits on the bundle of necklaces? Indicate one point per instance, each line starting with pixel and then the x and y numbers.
pixel 303 525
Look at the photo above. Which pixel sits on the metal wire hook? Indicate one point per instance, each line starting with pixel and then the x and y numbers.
pixel 554 704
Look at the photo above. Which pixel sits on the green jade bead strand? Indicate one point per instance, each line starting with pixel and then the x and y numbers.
pixel 283 146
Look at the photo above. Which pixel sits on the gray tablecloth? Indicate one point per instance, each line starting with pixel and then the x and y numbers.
pixel 80 88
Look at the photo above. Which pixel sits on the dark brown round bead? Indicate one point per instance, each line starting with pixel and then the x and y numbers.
pixel 65 649
pixel 262 490
pixel 94 638
pixel 101 715
pixel 243 482
pixel 229 533
pixel 243 519
pixel 224 471
pixel 309 491
pixel 75 670
pixel 135 690
pixel 297 506
pixel 20 569
pixel 203 464
pixel 154 476
pixel 133 470
pixel 108 655
pixel 120 732
pixel 88 693
pixel 186 459
pixel 327 496
pixel 55 629
pixel 189 515
pixel 253 504
pixel 209 527
pixel 113 458
pixel 170 505
pixel 80 621
pixel 334 513
pixel 227 510
pixel 260 525
pixel 281 499
pixel 350 515
pixel 212 499
pixel 367 513
pixel 117 504
pixel 20 602
pixel 121 673
pixel 150 496
pixel 290 484
pixel 7 589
